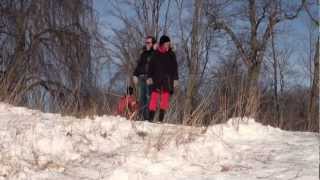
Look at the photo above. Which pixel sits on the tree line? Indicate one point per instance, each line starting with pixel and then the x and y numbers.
pixel 232 56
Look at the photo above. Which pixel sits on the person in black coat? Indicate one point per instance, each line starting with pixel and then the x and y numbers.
pixel 163 77
pixel 140 76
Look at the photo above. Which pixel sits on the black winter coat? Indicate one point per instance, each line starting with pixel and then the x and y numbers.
pixel 143 63
pixel 163 69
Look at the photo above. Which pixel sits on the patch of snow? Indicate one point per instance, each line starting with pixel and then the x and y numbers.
pixel 35 145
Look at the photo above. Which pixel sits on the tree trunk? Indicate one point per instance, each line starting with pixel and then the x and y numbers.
pixel 194 64
pixel 250 104
pixel 275 85
pixel 313 116
pixel 15 82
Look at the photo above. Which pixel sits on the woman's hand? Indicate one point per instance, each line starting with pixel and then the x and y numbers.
pixel 149 81
pixel 175 84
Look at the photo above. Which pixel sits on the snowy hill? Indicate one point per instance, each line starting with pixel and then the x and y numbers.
pixel 34 145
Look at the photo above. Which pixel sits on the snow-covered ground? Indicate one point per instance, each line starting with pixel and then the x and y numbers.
pixel 35 146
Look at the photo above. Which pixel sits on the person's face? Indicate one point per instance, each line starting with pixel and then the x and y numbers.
pixel 166 45
pixel 148 43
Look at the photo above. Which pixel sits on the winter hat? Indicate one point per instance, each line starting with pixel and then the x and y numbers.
pixel 164 39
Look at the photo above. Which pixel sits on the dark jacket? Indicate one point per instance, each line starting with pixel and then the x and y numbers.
pixel 143 63
pixel 163 69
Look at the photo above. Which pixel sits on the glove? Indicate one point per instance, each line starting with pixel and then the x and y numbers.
pixel 135 80
pixel 149 81
pixel 155 46
pixel 175 84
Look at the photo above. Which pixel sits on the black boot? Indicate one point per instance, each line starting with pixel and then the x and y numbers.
pixel 161 115
pixel 151 116
pixel 146 114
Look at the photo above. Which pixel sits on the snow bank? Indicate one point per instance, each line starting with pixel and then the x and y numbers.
pixel 35 145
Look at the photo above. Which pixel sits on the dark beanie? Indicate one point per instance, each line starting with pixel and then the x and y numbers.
pixel 164 39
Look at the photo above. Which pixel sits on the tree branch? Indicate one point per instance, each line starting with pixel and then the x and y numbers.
pixel 237 42
pixel 313 19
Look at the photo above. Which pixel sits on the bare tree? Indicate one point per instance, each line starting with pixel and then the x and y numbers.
pixel 194 63
pixel 125 46
pixel 275 81
pixel 313 109
pixel 313 118
pixel 46 47
pixel 262 17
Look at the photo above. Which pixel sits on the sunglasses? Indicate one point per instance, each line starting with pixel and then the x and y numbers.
pixel 148 42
